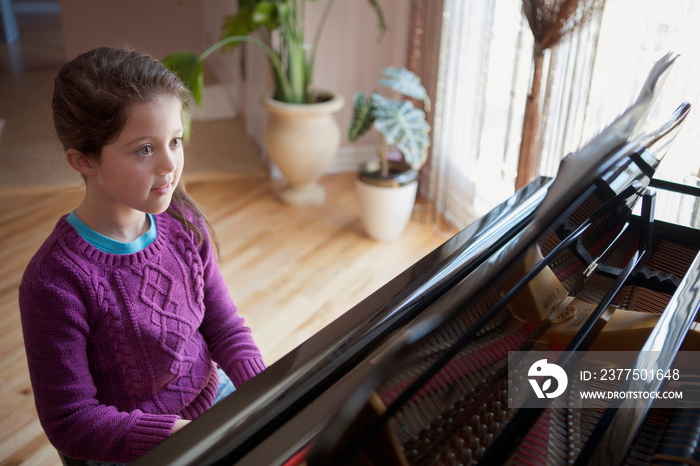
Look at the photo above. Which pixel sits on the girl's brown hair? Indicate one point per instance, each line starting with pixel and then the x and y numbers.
pixel 92 97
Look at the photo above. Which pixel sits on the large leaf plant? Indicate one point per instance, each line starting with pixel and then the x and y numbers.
pixel 398 121
pixel 281 24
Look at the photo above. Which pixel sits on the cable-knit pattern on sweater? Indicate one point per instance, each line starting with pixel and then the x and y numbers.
pixel 118 342
pixel 185 245
pixel 193 262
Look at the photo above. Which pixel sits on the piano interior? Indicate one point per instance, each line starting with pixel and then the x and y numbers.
pixel 417 373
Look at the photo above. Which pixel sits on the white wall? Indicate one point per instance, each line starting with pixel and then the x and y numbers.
pixel 351 58
pixel 157 27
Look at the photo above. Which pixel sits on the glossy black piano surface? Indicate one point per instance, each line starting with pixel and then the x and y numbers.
pixel 416 373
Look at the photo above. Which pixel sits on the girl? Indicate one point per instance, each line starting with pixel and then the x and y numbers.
pixel 124 308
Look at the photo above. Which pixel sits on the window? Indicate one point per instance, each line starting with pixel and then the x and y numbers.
pixel 589 79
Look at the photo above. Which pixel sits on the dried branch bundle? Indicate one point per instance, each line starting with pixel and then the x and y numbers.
pixel 550 21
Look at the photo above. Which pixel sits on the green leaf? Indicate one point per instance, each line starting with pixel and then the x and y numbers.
pixel 265 14
pixel 362 117
pixel 404 126
pixel 190 69
pixel 405 82
pixel 240 24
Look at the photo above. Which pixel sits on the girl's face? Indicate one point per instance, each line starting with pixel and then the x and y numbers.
pixel 141 168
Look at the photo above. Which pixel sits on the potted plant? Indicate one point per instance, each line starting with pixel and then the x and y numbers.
pixel 301 136
pixel 387 186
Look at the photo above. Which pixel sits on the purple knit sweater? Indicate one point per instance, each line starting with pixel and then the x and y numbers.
pixel 120 346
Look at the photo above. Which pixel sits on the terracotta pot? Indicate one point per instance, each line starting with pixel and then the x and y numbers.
pixel 386 202
pixel 301 140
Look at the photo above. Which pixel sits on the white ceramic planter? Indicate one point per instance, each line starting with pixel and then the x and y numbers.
pixel 385 211
pixel 301 140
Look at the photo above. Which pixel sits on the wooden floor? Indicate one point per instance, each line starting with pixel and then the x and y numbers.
pixel 290 270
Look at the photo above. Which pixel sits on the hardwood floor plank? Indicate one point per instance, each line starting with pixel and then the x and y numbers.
pixel 21 442
pixel 290 270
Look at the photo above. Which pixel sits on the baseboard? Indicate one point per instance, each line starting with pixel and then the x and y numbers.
pixel 347 160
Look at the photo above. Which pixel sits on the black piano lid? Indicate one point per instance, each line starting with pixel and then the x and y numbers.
pixel 614 160
pixel 232 428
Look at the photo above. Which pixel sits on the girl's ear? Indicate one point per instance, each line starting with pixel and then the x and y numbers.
pixel 79 162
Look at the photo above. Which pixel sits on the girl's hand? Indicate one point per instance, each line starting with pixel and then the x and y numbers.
pixel 179 424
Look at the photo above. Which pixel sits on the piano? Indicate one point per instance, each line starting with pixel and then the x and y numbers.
pixel 418 372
